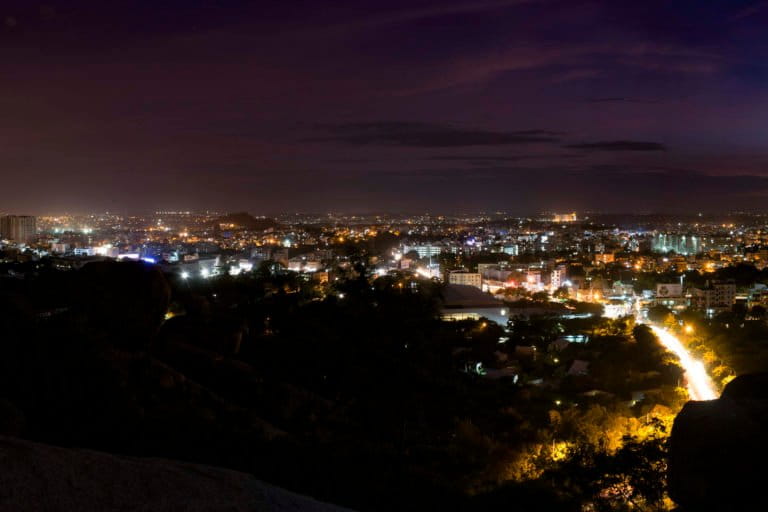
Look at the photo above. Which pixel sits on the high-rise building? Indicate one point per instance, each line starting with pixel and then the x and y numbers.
pixel 681 244
pixel 21 229
pixel 559 277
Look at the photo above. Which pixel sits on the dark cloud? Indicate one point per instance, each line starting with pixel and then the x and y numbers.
pixel 415 14
pixel 749 11
pixel 480 158
pixel 619 145
pixel 493 172
pixel 131 105
pixel 619 99
pixel 578 178
pixel 413 134
pixel 652 189
pixel 698 188
pixel 606 100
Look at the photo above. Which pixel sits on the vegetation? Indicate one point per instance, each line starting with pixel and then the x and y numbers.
pixel 354 392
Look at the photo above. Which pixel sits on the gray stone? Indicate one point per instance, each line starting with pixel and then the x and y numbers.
pixel 38 477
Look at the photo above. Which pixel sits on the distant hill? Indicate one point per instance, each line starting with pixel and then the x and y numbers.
pixel 244 220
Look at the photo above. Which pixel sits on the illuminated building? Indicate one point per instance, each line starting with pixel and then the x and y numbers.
pixel 21 229
pixel 558 277
pixel 303 264
pixel 424 251
pixel 715 297
pixel 466 278
pixel 59 248
pixel 605 258
pixel 681 244
pixel 106 250
pixel 533 279
pixel 670 295
pixel 512 250
pixel 564 217
pixel 493 271
pixel 462 302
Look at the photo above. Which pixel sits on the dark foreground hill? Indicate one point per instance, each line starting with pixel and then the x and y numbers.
pixel 41 477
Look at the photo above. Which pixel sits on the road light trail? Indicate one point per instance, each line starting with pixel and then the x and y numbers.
pixel 700 386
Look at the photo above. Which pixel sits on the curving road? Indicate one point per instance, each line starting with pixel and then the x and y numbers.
pixel 700 386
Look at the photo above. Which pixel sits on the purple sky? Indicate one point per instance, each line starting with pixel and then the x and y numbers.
pixel 391 106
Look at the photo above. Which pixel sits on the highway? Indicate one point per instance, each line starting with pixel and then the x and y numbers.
pixel 700 386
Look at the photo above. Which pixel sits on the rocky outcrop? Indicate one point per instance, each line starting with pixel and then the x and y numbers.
pixel 718 451
pixel 46 478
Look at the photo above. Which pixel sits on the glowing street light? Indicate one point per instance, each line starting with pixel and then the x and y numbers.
pixel 185 275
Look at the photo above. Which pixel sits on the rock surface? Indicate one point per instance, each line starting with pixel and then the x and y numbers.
pixel 718 451
pixel 40 477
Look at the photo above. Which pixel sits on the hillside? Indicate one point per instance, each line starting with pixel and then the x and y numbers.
pixel 246 221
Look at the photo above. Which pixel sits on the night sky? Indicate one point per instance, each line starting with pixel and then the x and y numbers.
pixel 401 106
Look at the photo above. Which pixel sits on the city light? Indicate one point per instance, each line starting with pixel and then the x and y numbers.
pixel 423 272
pixel 700 386
pixel 103 250
pixel 513 192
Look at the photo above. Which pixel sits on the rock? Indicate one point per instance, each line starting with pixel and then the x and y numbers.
pixel 718 453
pixel 41 477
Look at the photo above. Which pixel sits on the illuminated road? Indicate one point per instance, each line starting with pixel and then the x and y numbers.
pixel 700 386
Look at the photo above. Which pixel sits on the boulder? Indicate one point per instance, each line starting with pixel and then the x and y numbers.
pixel 41 477
pixel 718 453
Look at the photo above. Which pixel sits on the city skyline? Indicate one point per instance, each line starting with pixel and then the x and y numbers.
pixel 400 106
pixel 383 255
